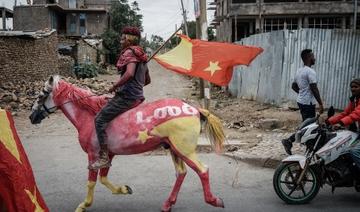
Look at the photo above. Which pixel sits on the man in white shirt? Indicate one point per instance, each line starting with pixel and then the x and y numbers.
pixel 305 84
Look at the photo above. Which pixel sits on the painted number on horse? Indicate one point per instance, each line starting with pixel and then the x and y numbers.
pixel 164 112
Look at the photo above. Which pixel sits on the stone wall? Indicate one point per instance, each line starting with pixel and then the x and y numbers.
pixel 29 58
pixel 66 66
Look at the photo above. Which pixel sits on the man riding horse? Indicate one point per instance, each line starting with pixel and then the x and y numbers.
pixel 128 89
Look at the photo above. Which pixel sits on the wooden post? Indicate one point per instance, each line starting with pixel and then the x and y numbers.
pixel 204 36
pixel 198 36
pixel 184 16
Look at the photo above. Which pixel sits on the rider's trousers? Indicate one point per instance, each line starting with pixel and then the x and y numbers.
pixel 116 106
pixel 355 155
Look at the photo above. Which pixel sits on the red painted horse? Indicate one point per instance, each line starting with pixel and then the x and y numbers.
pixel 169 121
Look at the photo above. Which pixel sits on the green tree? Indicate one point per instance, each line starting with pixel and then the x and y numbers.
pixel 192 31
pixel 121 14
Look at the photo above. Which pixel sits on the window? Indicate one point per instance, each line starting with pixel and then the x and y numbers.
pixel 82 19
pixel 243 1
pixel 277 1
pixel 53 20
pixel 273 24
pixel 325 22
pixel 72 23
pixel 72 3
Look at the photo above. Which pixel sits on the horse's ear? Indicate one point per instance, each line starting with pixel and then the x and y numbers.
pixel 51 80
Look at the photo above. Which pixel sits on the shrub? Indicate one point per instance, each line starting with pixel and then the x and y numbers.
pixel 85 70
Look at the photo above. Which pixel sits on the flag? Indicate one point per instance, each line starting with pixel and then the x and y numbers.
pixel 18 190
pixel 211 61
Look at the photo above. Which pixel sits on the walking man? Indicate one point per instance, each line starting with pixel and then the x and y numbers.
pixel 305 85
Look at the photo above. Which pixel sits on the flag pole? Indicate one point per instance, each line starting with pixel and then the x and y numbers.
pixel 157 50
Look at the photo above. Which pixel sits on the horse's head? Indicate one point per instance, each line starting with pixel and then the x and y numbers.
pixel 44 104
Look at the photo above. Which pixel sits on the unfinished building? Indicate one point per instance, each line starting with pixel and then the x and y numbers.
pixel 236 19
pixel 67 17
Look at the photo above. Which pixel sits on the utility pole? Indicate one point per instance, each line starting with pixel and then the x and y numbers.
pixel 201 33
pixel 184 16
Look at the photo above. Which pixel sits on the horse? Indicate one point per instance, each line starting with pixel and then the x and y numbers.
pixel 166 122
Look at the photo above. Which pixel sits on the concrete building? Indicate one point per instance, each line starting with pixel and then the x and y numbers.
pixel 67 17
pixel 236 19
pixel 5 14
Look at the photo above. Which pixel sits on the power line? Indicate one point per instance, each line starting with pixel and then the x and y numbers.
pixel 172 22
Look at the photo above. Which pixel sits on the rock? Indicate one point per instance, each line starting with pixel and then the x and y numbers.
pixel 276 130
pixel 7 98
pixel 243 129
pixel 269 124
pixel 14 97
pixel 14 105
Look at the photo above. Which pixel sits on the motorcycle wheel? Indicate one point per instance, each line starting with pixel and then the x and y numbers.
pixel 284 182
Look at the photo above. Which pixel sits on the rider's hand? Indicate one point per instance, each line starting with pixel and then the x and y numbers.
pixel 337 126
pixel 321 109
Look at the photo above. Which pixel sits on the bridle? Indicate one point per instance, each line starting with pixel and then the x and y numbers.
pixel 48 110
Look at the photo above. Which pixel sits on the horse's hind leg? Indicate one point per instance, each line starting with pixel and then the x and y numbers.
pixel 180 169
pixel 105 181
pixel 191 159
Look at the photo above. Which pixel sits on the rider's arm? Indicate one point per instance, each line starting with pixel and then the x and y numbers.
pixel 352 117
pixel 295 87
pixel 129 73
pixel 147 77
pixel 314 89
pixel 338 118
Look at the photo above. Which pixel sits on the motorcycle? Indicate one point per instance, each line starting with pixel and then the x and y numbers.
pixel 298 178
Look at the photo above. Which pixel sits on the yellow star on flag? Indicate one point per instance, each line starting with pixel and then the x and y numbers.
pixel 7 136
pixel 213 67
pixel 33 199
pixel 143 136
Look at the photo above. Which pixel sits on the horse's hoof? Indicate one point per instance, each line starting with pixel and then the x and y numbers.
pixel 220 203
pixel 80 209
pixel 166 209
pixel 129 190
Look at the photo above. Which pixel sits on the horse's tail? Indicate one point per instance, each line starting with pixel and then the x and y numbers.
pixel 213 129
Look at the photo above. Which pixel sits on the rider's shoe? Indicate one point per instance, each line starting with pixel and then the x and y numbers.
pixel 287 145
pixel 103 159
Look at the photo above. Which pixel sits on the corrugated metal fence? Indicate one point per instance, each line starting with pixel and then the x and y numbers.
pixel 268 79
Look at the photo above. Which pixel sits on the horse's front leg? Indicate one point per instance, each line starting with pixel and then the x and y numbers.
pixel 90 191
pixel 114 189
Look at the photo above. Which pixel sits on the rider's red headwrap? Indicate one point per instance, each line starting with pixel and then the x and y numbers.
pixel 131 31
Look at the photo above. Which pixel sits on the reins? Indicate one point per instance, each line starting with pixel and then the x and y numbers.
pixel 73 100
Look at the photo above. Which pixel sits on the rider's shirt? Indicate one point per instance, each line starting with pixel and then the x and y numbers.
pixel 133 88
pixel 351 114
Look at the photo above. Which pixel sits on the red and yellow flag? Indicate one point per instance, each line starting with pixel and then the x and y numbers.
pixel 18 190
pixel 212 61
